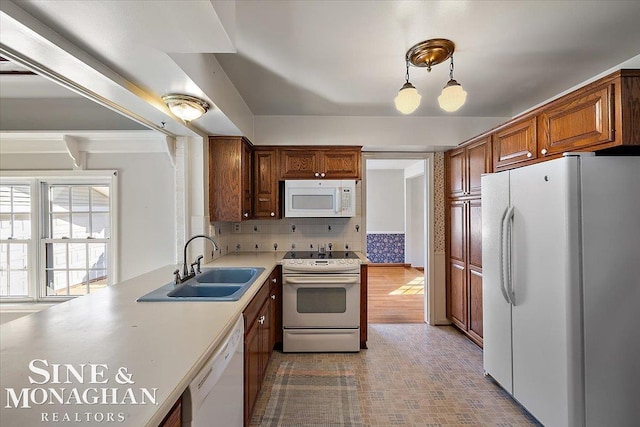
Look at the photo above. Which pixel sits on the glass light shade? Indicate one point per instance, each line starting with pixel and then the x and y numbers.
pixel 186 107
pixel 408 99
pixel 452 97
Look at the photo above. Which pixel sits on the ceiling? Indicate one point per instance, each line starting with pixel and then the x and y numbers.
pixel 306 58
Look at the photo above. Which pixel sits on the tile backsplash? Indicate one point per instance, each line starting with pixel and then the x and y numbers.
pixel 289 233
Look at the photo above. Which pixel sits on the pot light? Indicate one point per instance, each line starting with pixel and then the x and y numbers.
pixel 427 54
pixel 186 107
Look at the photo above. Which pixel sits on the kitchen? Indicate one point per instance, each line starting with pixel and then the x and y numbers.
pixel 171 173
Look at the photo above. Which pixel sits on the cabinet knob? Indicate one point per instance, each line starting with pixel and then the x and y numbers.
pixel 261 320
pixel 316 174
pixel 322 174
pixel 273 214
pixel 544 151
pixel 274 280
pixel 246 215
pixel 273 297
pixel 529 155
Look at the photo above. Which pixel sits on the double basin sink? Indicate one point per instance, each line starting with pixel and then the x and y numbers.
pixel 213 284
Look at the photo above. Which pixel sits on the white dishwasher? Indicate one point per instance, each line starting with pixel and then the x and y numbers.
pixel 215 396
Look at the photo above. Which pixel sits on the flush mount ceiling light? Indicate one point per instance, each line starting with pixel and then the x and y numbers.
pixel 186 107
pixel 425 55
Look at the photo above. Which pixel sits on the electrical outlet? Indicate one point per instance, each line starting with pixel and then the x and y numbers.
pixel 236 227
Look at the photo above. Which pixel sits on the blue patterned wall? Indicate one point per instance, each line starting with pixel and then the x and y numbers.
pixel 385 248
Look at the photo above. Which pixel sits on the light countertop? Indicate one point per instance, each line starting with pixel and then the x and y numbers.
pixel 159 345
pixel 132 345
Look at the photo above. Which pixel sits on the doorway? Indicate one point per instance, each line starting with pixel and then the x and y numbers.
pixel 396 201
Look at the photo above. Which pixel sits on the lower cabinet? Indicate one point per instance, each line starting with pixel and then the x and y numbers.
pixel 174 417
pixel 260 318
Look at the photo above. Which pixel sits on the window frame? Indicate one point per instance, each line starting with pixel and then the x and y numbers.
pixel 36 269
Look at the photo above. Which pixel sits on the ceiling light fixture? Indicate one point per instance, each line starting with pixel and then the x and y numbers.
pixel 427 54
pixel 186 107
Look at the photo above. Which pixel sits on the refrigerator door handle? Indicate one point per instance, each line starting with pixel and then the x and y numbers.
pixel 508 240
pixel 505 268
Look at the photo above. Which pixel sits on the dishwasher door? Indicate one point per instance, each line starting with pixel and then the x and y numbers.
pixel 216 394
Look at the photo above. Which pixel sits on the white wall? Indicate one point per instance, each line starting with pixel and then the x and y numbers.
pixel 146 192
pixel 415 232
pixel 409 133
pixel 385 201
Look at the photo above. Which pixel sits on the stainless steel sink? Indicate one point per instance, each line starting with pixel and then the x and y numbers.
pixel 213 284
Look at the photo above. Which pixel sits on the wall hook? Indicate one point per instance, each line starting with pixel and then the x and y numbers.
pixel 329 228
pixel 293 228
pixel 357 228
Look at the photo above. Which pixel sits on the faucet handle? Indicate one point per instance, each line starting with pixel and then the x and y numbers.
pixel 177 278
pixel 198 259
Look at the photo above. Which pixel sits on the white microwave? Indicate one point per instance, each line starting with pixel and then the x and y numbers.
pixel 320 198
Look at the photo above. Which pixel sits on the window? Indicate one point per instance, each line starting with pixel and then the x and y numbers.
pixel 72 218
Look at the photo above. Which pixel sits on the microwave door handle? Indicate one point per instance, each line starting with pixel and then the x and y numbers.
pixel 338 199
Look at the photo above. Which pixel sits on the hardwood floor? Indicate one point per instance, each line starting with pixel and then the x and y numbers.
pixel 396 295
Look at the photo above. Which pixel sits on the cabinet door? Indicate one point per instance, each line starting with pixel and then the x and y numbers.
pixel 457 176
pixel 252 371
pixel 229 178
pixel 340 164
pixel 478 159
pixel 457 291
pixel 265 184
pixel 474 277
pixel 578 122
pixel 265 338
pixel 299 164
pixel 515 144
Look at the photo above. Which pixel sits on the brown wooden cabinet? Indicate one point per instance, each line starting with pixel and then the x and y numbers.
pixel 515 143
pixel 464 167
pixel 230 178
pixel 266 200
pixel 315 162
pixel 261 322
pixel 174 417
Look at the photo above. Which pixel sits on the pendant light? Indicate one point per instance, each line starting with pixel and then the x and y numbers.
pixel 408 99
pixel 427 54
pixel 453 96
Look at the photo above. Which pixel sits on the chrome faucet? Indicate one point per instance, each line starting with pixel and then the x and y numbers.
pixel 186 274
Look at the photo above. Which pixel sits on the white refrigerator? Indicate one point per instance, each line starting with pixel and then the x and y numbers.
pixel 561 288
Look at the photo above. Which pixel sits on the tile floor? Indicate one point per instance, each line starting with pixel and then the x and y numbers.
pixel 417 375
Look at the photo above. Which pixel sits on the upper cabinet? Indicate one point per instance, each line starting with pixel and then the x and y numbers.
pixel 465 166
pixel 515 143
pixel 230 178
pixel 601 115
pixel 315 162
pixel 266 201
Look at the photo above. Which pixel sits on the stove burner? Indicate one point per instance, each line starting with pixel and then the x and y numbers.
pixel 316 255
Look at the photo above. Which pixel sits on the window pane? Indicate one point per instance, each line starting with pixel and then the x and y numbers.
pixel 22 226
pixel 56 254
pixel 21 199
pixel 78 255
pixel 60 226
pixel 59 198
pixel 5 198
pixel 18 285
pixel 80 199
pixel 4 283
pixel 4 258
pixel 98 255
pixel 97 280
pixel 17 256
pixel 56 282
pixel 77 282
pixel 5 226
pixel 100 199
pixel 80 226
pixel 100 226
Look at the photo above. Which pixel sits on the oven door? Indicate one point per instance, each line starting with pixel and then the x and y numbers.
pixel 321 301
